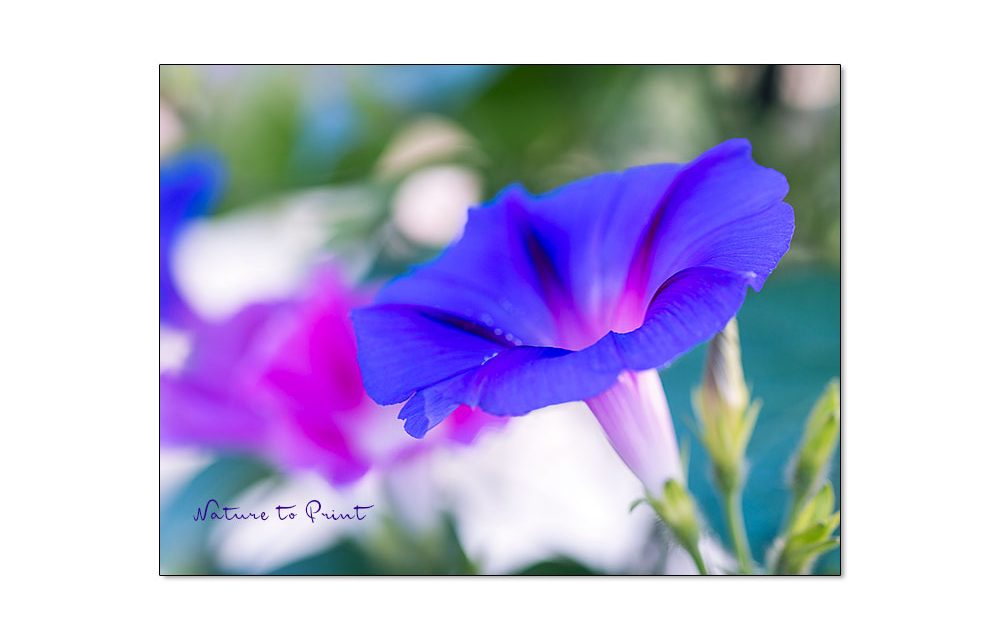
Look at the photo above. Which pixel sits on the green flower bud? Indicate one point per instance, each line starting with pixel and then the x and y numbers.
pixel 723 382
pixel 810 534
pixel 820 437
pixel 724 409
pixel 677 509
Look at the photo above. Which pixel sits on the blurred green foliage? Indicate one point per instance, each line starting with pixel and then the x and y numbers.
pixel 287 128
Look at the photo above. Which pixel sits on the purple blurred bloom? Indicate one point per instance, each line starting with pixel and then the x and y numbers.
pixel 190 185
pixel 576 294
pixel 281 380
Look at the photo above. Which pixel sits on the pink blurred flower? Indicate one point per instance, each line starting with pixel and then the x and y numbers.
pixel 280 380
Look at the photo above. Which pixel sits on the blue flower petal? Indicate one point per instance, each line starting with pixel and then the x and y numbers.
pixel 724 211
pixel 189 187
pixel 690 308
pixel 409 348
pixel 547 299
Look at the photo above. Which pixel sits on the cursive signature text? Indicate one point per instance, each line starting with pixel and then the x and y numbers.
pixel 313 510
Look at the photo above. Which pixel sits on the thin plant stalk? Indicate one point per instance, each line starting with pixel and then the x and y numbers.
pixel 738 533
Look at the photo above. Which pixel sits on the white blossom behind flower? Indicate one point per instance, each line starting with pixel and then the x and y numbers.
pixel 430 205
pixel 262 252
pixel 546 484
pixel 425 140
pixel 809 87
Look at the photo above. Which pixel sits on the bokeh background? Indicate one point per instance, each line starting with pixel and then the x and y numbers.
pixel 375 167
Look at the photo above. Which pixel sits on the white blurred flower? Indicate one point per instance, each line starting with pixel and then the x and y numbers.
pixel 430 206
pixel 261 253
pixel 810 86
pixel 171 130
pixel 546 484
pixel 428 139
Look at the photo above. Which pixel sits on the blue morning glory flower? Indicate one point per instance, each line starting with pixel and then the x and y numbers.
pixel 580 294
pixel 189 186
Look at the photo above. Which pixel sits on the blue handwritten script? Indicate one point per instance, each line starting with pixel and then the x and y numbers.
pixel 313 510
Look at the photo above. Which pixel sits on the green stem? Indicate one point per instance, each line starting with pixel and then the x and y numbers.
pixel 697 557
pixel 738 534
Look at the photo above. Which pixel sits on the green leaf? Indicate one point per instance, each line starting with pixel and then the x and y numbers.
pixel 637 502
pixel 820 438
pixel 810 534
pixel 346 558
pixel 558 566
